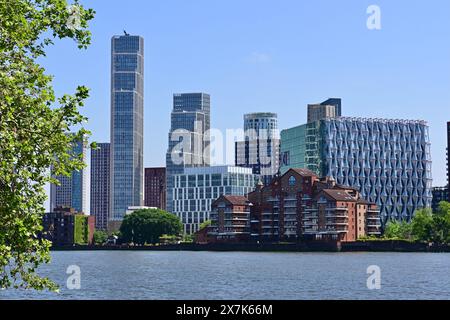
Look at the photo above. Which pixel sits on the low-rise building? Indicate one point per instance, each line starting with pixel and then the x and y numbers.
pixel 67 227
pixel 300 206
pixel 230 219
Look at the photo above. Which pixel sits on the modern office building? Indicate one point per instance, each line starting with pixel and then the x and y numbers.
pixel 230 219
pixel 155 188
pixel 188 137
pixel 100 184
pixel 261 148
pixel 299 206
pixel 337 102
pixel 71 191
pixel 127 111
pixel 197 188
pixel 330 108
pixel 389 161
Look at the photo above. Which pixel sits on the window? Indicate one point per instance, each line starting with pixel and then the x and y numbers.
pixel 292 181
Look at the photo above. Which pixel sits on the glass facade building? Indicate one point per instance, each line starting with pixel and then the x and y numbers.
pixel 261 148
pixel 127 110
pixel 389 161
pixel 196 189
pixel 100 184
pixel 188 137
pixel 71 193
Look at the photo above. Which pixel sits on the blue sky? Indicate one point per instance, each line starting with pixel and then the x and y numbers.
pixel 267 55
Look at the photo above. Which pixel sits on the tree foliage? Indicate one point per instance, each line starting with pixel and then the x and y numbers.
pixel 426 226
pixel 205 224
pixel 148 225
pixel 34 127
pixel 100 237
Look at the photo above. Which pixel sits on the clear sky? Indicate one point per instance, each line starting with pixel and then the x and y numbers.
pixel 267 55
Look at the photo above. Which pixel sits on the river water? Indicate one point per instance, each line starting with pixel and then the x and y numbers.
pixel 243 275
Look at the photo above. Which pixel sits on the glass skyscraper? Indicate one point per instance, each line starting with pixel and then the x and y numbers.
pixel 261 148
pixel 389 161
pixel 100 188
pixel 71 193
pixel 127 111
pixel 188 137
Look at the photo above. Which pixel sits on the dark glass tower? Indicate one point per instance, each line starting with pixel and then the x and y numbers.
pixel 337 102
pixel 71 192
pixel 188 137
pixel 100 189
pixel 127 125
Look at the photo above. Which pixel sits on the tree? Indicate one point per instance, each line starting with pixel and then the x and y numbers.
pixel 398 230
pixel 422 225
pixel 148 225
pixel 205 224
pixel 34 128
pixel 100 237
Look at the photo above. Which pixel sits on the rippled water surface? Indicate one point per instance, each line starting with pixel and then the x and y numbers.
pixel 239 275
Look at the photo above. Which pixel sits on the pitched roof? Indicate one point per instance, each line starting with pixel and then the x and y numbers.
pixel 304 172
pixel 234 200
pixel 339 195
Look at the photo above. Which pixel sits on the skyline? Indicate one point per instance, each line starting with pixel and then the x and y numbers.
pixel 271 59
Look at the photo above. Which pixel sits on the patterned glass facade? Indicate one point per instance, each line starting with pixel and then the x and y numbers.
pixel 389 161
pixel 127 108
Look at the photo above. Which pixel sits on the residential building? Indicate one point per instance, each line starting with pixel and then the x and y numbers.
pixel 155 188
pixel 261 148
pixel 439 194
pixel 71 191
pixel 197 188
pixel 100 185
pixel 230 219
pixel 67 227
pixel 127 125
pixel 188 137
pixel 299 206
pixel 389 161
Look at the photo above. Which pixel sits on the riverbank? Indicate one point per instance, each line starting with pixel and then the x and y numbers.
pixel 359 246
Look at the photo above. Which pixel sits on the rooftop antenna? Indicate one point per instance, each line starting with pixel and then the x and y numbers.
pixel 126 33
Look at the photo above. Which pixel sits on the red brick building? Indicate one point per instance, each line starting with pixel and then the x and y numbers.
pixel 300 206
pixel 155 188
pixel 230 219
